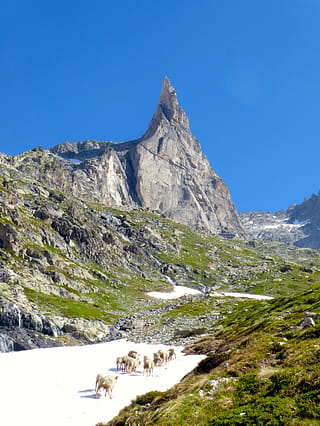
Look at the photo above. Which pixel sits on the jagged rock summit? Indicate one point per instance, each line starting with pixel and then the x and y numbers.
pixel 174 177
pixel 168 109
pixel 165 170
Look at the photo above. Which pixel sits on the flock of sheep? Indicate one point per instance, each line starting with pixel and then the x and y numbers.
pixel 130 363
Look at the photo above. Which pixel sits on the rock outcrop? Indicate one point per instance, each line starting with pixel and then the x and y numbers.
pixel 165 171
pixel 174 177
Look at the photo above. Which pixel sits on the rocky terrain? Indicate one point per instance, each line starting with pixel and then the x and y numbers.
pixel 74 271
pixel 298 225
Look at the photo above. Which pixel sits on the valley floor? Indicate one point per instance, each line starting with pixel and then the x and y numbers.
pixel 56 386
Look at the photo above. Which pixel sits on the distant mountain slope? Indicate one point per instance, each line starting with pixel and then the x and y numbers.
pixel 299 225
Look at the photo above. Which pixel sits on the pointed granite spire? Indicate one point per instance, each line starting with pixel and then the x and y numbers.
pixel 168 110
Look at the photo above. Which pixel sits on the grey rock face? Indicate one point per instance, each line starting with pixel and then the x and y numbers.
pixel 174 177
pixel 299 225
pixel 6 344
pixel 12 315
pixel 269 226
pixel 165 171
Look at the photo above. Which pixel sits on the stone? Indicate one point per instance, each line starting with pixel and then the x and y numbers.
pixel 164 171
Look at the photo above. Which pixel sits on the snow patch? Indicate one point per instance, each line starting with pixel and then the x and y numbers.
pixel 75 160
pixel 178 291
pixel 56 386
pixel 244 295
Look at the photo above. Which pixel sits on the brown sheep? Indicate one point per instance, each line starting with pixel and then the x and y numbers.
pixel 157 359
pixel 105 382
pixel 133 354
pixel 125 360
pixel 172 354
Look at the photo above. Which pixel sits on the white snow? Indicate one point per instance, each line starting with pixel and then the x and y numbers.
pixel 75 160
pixel 283 226
pixel 178 291
pixel 56 386
pixel 235 294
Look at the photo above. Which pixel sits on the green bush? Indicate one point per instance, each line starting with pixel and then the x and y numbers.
pixel 270 411
pixel 309 404
pixel 148 397
pixel 247 385
pixel 281 381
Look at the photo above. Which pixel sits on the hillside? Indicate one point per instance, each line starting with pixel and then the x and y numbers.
pixel 262 368
pixel 77 271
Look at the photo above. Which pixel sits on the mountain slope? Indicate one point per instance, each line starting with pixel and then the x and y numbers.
pixel 299 225
pixel 262 368
pixel 77 271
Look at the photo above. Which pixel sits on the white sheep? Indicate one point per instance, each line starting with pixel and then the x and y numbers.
pixel 164 355
pixel 132 365
pixel 148 365
pixel 105 382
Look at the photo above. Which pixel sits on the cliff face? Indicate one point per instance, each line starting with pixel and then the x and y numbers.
pixel 165 171
pixel 174 177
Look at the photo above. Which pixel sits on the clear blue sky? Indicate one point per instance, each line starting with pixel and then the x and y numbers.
pixel 247 73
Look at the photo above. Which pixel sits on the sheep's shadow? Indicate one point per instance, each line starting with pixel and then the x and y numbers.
pixel 113 370
pixel 85 394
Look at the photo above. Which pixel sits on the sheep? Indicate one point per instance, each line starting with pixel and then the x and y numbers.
pixel 125 360
pixel 120 363
pixel 157 359
pixel 148 366
pixel 172 354
pixel 105 382
pixel 132 365
pixel 133 354
pixel 164 355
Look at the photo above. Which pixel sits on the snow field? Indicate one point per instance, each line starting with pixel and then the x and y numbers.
pixel 56 386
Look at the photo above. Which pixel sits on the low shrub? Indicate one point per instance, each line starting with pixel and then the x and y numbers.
pixel 272 411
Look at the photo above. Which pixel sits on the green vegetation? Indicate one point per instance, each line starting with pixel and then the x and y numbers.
pixel 262 368
pixel 69 307
pixel 78 259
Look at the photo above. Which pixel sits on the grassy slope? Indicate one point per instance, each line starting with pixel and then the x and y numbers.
pixel 81 281
pixel 261 369
pixel 77 285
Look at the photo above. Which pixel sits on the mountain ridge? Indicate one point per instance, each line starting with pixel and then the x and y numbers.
pixel 298 225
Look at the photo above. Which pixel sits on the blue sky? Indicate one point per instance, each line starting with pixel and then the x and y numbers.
pixel 246 72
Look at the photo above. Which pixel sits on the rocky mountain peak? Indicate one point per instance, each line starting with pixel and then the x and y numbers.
pixel 168 111
pixel 173 176
pixel 165 171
